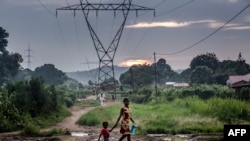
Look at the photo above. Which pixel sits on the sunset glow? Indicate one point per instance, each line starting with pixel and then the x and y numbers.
pixel 129 63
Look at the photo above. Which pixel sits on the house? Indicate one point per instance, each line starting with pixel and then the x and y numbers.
pixel 170 84
pixel 238 82
pixel 176 85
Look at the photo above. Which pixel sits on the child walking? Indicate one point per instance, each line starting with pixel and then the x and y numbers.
pixel 104 132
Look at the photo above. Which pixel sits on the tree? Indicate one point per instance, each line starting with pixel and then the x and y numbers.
pixel 209 60
pixel 165 72
pixel 240 58
pixel 50 74
pixel 241 67
pixel 141 75
pixel 90 83
pixel 227 67
pixel 201 75
pixel 138 75
pixel 185 74
pixel 9 62
pixel 230 67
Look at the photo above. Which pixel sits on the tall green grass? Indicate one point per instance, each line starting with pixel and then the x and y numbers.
pixel 187 115
pixel 100 114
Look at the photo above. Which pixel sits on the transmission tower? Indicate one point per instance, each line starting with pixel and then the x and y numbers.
pixel 106 75
pixel 29 57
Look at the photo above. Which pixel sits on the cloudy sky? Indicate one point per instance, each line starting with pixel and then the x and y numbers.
pixel 179 31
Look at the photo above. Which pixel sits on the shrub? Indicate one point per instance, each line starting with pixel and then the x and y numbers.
pixel 89 119
pixel 31 130
pixel 230 111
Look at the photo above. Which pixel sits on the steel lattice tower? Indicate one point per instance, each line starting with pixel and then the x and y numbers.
pixel 106 75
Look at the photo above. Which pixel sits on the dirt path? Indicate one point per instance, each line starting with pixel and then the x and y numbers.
pixel 91 133
pixel 69 122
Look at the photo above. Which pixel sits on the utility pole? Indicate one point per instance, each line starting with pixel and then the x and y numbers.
pixel 106 55
pixel 155 75
pixel 92 74
pixel 132 77
pixel 29 56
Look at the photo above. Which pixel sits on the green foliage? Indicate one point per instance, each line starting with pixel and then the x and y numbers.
pixel 10 117
pixel 33 130
pixel 68 101
pixel 209 60
pixel 89 120
pixel 203 92
pixel 141 75
pixel 174 119
pixel 30 102
pixel 204 69
pixel 9 62
pixel 52 132
pixel 88 103
pixel 144 95
pixel 201 75
pixel 189 115
pixel 50 75
pixel 140 98
pixel 97 116
pixel 231 111
pixel 245 93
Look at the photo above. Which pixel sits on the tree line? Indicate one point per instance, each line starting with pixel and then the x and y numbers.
pixel 38 97
pixel 203 69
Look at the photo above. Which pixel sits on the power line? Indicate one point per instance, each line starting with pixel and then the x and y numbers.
pixel 60 29
pixel 209 35
pixel 45 7
pixel 130 32
pixel 176 8
pixel 76 30
pixel 145 31
pixel 159 4
pixel 106 54
pixel 167 12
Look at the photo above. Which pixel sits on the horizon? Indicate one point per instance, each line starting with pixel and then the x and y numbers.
pixel 179 31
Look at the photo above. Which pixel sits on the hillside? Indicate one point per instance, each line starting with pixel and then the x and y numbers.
pixel 85 76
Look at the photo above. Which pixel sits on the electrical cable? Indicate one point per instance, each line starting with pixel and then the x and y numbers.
pixel 209 35
pixel 176 8
pixel 76 31
pixel 167 12
pixel 130 32
pixel 60 30
pixel 45 7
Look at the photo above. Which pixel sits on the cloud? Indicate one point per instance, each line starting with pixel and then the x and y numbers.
pixel 49 2
pixel 216 24
pixel 170 24
pixel 238 28
pixel 131 62
pixel 173 24
pixel 247 19
pixel 233 1
pixel 45 2
pixel 230 26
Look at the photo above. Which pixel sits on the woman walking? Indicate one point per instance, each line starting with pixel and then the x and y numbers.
pixel 124 117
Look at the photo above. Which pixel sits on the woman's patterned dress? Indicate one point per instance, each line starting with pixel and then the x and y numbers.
pixel 125 121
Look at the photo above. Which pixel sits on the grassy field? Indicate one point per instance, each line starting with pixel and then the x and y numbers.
pixel 180 116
